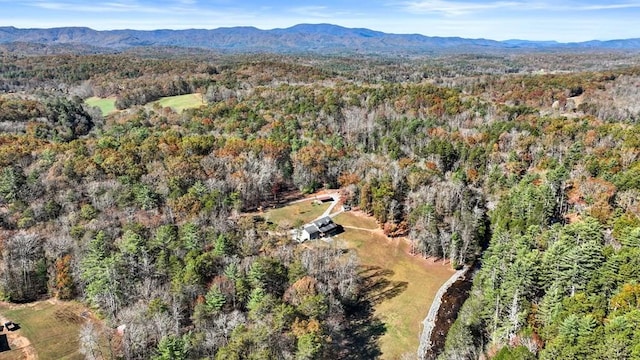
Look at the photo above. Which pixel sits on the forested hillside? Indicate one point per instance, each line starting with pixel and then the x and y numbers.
pixel 297 39
pixel 533 175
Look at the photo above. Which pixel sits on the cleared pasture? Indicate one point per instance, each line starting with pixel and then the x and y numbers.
pixel 297 213
pixel 106 105
pixel 180 102
pixel 400 286
pixel 52 328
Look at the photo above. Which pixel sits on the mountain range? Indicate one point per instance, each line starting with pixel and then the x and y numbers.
pixel 303 38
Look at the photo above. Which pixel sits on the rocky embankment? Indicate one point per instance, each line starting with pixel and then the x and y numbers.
pixel 443 313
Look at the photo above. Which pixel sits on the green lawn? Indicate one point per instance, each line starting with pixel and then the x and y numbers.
pixel 403 286
pixel 351 219
pixel 295 214
pixel 107 106
pixel 180 102
pixel 177 103
pixel 52 328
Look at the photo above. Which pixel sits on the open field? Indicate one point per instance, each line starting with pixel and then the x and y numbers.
pixel 356 220
pixel 177 103
pixel 402 287
pixel 180 102
pixel 51 327
pixel 297 213
pixel 106 105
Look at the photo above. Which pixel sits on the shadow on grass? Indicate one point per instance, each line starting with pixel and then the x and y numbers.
pixel 378 287
pixel 364 329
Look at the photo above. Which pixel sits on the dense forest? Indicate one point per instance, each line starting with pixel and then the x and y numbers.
pixel 526 165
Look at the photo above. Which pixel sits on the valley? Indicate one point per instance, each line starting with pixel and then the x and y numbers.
pixel 154 194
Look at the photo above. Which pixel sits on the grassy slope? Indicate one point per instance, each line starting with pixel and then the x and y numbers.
pixel 177 103
pixel 404 285
pixel 180 102
pixel 52 336
pixel 302 212
pixel 354 220
pixel 106 106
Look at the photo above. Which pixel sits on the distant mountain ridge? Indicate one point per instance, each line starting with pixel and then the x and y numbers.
pixel 314 38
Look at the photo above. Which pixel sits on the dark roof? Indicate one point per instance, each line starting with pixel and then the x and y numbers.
pixel 325 224
pixel 311 229
pixel 323 221
pixel 328 228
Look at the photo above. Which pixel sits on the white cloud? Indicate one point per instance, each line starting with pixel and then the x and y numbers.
pixel 50 5
pixel 559 28
pixel 96 7
pixel 454 8
pixel 493 19
pixel 180 8
pixel 322 13
pixel 311 11
pixel 609 6
pixel 457 8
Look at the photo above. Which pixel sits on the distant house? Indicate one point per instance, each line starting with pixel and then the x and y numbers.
pixel 322 227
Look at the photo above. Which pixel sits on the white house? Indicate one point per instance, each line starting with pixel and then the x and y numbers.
pixel 320 228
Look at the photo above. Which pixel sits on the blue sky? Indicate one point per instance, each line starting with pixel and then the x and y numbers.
pixel 499 20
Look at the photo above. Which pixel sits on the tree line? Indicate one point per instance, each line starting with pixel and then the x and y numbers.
pixel 137 213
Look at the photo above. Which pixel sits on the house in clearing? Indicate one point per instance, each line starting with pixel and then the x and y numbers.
pixel 322 227
pixel 326 226
pixel 310 232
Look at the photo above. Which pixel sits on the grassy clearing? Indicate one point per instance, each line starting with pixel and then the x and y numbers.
pixel 356 220
pixel 296 214
pixel 402 286
pixel 52 328
pixel 106 106
pixel 177 103
pixel 180 102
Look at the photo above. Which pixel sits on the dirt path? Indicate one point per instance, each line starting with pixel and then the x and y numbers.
pixel 334 195
pixel 359 228
pixel 21 348
pixel 336 200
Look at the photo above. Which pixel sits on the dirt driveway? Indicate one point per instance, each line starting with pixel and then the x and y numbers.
pixel 21 348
